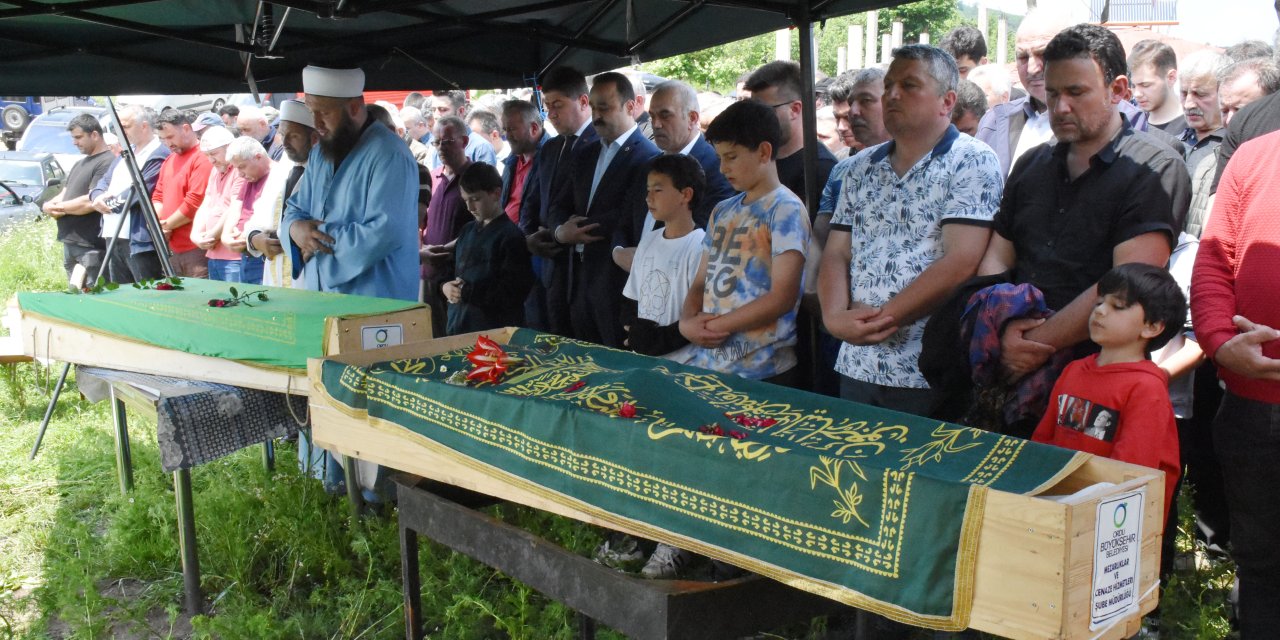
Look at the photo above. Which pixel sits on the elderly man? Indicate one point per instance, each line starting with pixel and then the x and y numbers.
pixel 1199 86
pixel 419 133
pixel 224 186
pixel 522 125
pixel 604 180
pixel 179 192
pixel 1153 70
pixel 1015 127
pixel 115 199
pixel 446 215
pixel 78 222
pixel 856 96
pixel 298 135
pixel 1236 313
pixel 777 85
pixel 674 113
pixel 352 231
pixel 253 122
pixel 993 79
pixel 455 103
pixel 1250 104
pixel 911 224
pixel 1104 195
pixel 565 95
pixel 263 180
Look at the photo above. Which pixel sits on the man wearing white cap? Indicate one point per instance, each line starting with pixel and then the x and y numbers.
pixel 297 135
pixel 206 228
pixel 351 226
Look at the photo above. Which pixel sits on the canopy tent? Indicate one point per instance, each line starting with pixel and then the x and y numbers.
pixel 109 47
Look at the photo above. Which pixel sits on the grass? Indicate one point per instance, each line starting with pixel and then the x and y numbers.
pixel 279 557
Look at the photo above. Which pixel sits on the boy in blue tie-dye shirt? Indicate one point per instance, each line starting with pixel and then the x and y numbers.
pixel 741 309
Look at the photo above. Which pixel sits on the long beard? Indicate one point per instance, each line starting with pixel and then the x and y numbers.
pixel 341 141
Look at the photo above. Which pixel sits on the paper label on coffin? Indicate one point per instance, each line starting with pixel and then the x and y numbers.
pixel 381 336
pixel 1117 550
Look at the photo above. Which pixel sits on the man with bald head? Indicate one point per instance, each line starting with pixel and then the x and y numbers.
pixel 674 113
pixel 1012 128
pixel 253 122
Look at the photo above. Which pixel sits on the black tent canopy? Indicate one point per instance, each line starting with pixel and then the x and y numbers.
pixel 108 47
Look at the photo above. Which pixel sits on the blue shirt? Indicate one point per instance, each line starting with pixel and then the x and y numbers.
pixel 369 205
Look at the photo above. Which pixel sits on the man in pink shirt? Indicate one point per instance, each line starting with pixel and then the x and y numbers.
pixel 224 183
pixel 251 159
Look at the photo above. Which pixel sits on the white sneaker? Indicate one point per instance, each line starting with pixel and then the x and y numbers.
pixel 619 552
pixel 666 562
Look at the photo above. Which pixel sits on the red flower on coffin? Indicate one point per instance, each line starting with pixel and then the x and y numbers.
pixel 489 361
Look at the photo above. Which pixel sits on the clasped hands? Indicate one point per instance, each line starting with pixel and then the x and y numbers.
pixel 695 330
pixel 309 239
pixel 860 324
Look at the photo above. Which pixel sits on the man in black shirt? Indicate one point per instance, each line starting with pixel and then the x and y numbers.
pixel 1104 195
pixel 778 85
pixel 1153 66
pixel 78 222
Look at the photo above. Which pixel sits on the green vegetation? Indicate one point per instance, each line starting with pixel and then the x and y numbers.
pixel 280 558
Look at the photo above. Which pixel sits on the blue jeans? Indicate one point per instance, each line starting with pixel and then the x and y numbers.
pixel 1246 435
pixel 251 269
pixel 224 270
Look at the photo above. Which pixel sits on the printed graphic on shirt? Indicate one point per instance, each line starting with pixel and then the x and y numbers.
pixel 655 292
pixel 1087 417
pixel 741 243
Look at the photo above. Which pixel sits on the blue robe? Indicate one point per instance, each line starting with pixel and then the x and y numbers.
pixel 370 208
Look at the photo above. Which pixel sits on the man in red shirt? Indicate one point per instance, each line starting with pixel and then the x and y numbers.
pixel 180 190
pixel 1235 311
pixel 522 124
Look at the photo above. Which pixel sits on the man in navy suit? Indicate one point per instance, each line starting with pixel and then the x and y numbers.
pixel 565 96
pixel 604 181
pixel 673 110
pixel 522 126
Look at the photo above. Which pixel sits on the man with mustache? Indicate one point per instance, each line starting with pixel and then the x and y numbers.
pixel 351 226
pixel 1104 195
pixel 603 183
pixel 1204 132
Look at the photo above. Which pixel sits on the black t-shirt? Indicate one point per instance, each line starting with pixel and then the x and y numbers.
pixel 1064 231
pixel 83 230
pixel 1174 127
pixel 1256 118
pixel 791 174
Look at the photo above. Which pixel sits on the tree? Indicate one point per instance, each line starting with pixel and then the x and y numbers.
pixel 716 68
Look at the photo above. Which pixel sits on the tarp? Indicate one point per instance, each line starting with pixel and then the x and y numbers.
pixel 874 508
pixel 114 47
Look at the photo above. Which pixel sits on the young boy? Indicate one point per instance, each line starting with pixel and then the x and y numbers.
pixel 667 259
pixel 1116 403
pixel 741 310
pixel 494 271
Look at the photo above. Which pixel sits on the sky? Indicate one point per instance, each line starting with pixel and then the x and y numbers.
pixel 1219 22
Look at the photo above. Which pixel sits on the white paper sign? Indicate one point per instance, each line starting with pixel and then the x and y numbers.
pixel 1117 548
pixel 381 336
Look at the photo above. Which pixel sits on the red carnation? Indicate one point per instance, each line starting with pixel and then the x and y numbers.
pixel 575 386
pixel 164 286
pixel 627 410
pixel 738 435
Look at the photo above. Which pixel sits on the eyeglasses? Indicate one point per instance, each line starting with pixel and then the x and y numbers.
pixel 437 142
pixel 782 104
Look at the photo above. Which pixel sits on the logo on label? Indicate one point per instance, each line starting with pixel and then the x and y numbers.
pixel 1121 514
pixel 380 336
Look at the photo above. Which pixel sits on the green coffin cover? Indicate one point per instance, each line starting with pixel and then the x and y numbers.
pixel 281 332
pixel 875 508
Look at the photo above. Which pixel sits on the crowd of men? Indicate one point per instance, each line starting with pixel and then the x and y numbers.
pixel 941 177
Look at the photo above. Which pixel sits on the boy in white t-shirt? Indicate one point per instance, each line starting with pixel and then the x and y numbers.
pixel 666 259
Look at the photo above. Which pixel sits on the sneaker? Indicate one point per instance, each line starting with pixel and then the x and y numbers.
pixel 619 551
pixel 665 563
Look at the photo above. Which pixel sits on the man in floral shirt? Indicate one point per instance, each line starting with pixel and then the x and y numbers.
pixel 911 224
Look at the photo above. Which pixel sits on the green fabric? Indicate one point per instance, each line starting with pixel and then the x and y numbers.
pixel 282 332
pixel 872 502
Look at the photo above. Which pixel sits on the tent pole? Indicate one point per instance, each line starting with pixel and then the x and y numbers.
pixel 804 28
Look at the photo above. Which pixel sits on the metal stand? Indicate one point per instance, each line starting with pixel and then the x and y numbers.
pixel 642 609
pixel 187 542
pixel 124 460
pixel 150 218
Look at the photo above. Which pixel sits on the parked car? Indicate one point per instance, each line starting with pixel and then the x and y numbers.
pixel 15 209
pixel 206 102
pixel 32 174
pixel 48 133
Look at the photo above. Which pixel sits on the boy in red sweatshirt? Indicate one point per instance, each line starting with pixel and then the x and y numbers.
pixel 1115 403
